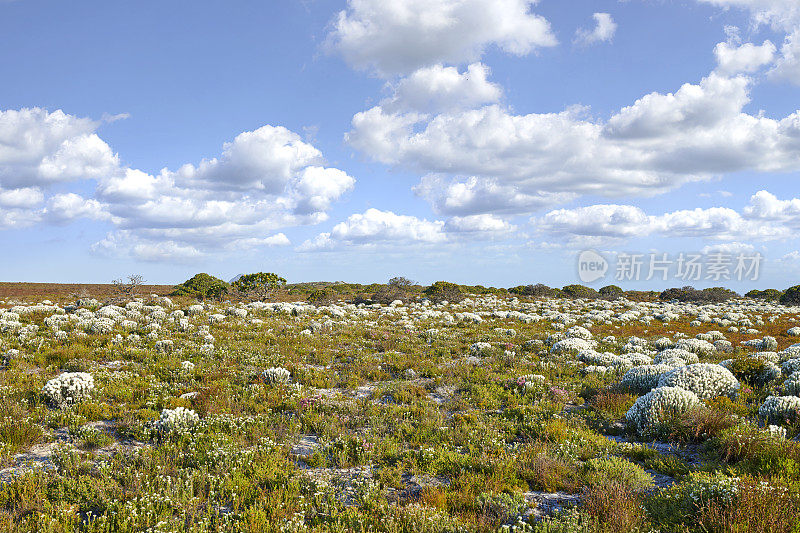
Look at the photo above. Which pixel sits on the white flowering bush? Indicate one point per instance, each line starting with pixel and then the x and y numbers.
pixel 479 349
pixel 779 432
pixel 791 366
pixel 276 375
pixel 592 357
pixel 706 380
pixel 178 419
pixel 654 408
pixel 791 387
pixel 676 355
pixel 69 388
pixel 777 409
pixel 663 343
pixel 711 487
pixel 644 378
pixel 578 332
pixel 697 346
pixel 572 345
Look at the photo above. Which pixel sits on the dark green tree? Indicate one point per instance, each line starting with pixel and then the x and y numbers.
pixel 611 292
pixel 261 285
pixel 791 296
pixel 201 286
pixel 445 291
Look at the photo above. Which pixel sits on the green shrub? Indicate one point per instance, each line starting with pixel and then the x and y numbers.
pixel 579 291
pixel 261 285
pixel 690 294
pixel 201 286
pixel 444 291
pixel 770 295
pixel 601 471
pixel 791 296
pixel 322 296
pixel 747 369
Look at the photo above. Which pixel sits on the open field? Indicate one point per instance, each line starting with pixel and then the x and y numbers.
pixel 491 414
pixel 58 291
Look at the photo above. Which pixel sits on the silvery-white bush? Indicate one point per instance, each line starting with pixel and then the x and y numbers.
pixel 592 357
pixel 69 388
pixel 791 366
pixel 177 419
pixel 779 408
pixel 706 380
pixel 480 349
pixel 663 343
pixel 578 332
pixel 648 412
pixel 276 375
pixel 697 346
pixel 791 387
pixel 675 354
pixel 572 345
pixel 644 378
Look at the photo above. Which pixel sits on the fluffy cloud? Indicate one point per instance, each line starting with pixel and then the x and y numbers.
pixel 766 206
pixel 596 221
pixel 732 248
pixel 765 218
pixel 63 208
pixel 440 88
pixel 780 14
pixel 39 148
pixel 463 197
pixel 399 37
pixel 604 30
pixel 748 57
pixel 787 67
pixel 657 144
pixel 481 225
pixel 375 227
pixel 264 179
pixel 25 197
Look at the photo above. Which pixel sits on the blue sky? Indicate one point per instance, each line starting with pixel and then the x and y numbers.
pixel 480 141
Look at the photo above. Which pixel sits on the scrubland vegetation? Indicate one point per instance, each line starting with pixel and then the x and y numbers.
pixel 400 408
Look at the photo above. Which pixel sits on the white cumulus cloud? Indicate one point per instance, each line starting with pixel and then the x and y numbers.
pixel 398 37
pixel 603 31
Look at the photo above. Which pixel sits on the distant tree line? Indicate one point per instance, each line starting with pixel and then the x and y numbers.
pixel 268 285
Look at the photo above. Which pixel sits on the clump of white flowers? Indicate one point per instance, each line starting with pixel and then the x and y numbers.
pixel 480 348
pixel 187 365
pixel 698 346
pixel 675 355
pixel 779 432
pixel 572 344
pixel 791 387
pixel 791 366
pixel 705 487
pixel 779 408
pixel 648 412
pixel 706 380
pixel 579 332
pixel 276 375
pixel 178 419
pixel 644 378
pixel 69 388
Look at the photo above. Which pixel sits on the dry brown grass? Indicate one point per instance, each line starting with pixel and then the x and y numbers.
pixel 58 291
pixel 759 508
pixel 615 508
